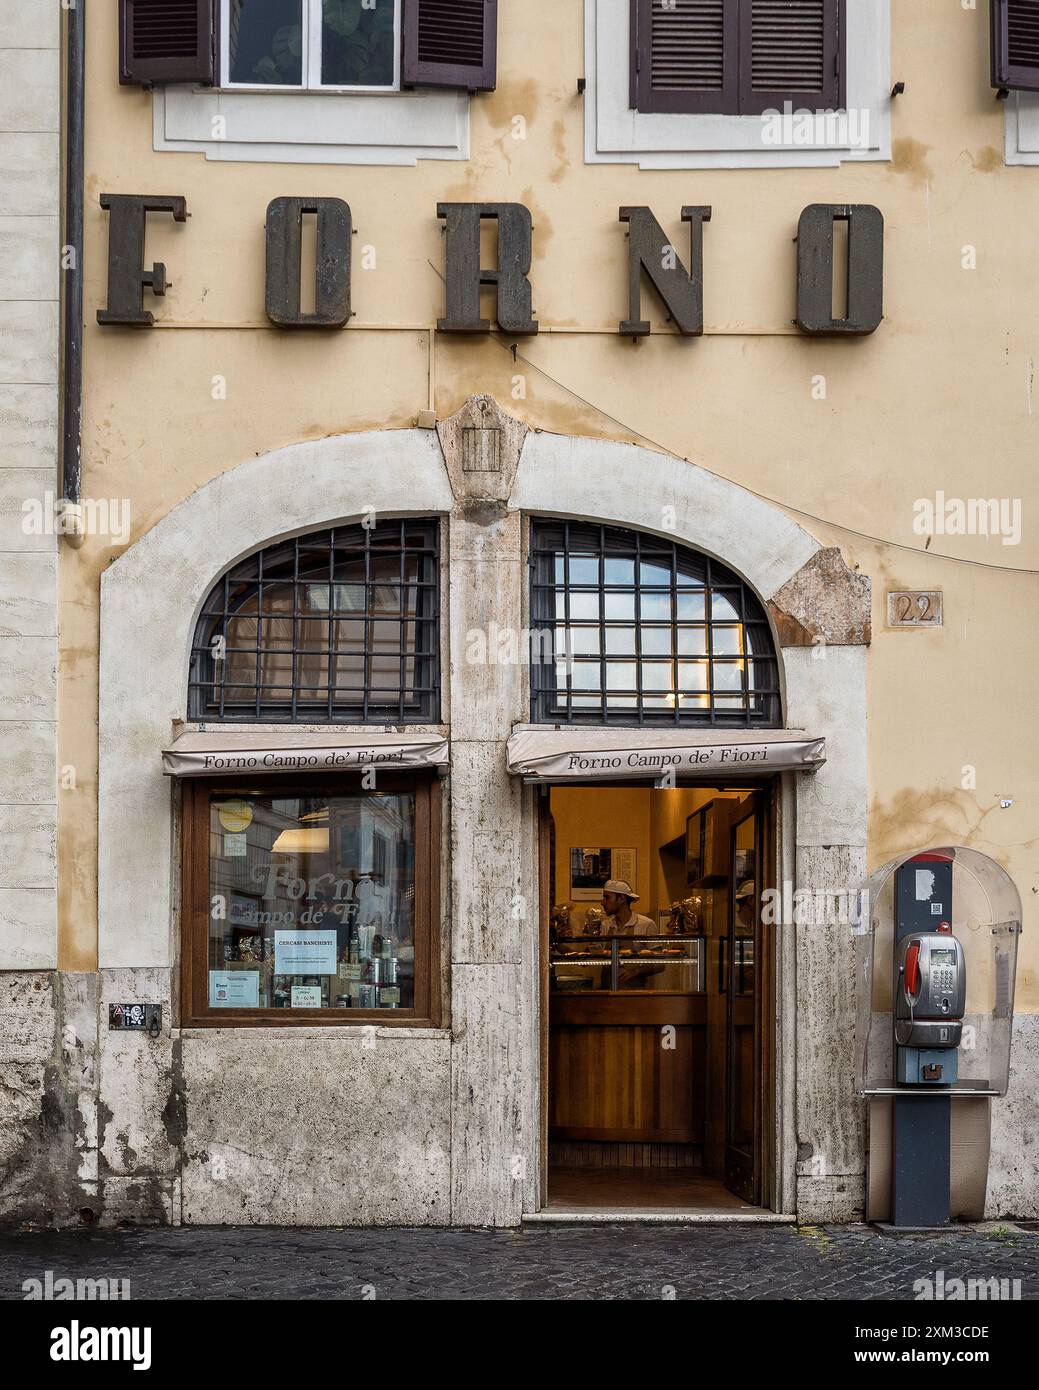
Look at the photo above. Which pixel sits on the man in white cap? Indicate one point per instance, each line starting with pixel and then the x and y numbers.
pixel 617 898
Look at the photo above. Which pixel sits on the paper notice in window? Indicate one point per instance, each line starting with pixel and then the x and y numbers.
pixel 234 989
pixel 305 952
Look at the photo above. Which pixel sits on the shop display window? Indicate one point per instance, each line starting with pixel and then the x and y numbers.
pixel 309 903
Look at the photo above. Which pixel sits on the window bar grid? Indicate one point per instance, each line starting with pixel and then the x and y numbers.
pixel 366 659
pixel 744 647
pixel 296 615
pixel 601 623
pixel 330 646
pixel 284 575
pixel 223 629
pixel 259 630
pixel 709 630
pixel 402 609
pixel 727 702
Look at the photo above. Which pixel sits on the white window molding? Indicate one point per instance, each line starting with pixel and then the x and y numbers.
pixel 296 127
pixel 615 134
pixel 1021 128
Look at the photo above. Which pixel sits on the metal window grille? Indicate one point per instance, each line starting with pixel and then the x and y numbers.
pixel 630 629
pixel 339 626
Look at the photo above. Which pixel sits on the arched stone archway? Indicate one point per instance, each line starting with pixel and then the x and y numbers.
pixel 486 472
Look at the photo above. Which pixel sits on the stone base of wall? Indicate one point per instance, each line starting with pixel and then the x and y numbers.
pixel 311 1127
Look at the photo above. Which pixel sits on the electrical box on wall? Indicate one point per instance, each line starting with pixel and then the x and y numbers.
pixel 145 1018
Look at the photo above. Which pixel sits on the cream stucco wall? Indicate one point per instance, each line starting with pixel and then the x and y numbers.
pixel 940 398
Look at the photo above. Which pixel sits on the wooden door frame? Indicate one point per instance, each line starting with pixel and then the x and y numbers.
pixel 766 1154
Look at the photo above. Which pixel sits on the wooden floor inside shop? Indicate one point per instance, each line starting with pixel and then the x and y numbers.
pixel 687 1190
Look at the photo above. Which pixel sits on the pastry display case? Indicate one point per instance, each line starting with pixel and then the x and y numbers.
pixel 619 964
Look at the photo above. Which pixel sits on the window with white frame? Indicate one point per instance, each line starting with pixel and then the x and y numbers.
pixel 311 45
pixel 699 84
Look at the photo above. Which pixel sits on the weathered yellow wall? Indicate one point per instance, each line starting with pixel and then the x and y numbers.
pixel 941 397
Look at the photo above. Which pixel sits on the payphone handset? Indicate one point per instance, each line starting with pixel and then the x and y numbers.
pixel 930 990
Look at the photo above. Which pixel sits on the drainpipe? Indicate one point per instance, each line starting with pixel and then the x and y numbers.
pixel 69 519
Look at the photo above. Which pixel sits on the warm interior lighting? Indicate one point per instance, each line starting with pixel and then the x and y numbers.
pixel 307 839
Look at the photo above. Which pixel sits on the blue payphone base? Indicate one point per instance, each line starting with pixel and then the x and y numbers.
pixel 923 1066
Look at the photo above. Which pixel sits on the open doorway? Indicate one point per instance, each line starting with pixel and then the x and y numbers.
pixel 656 997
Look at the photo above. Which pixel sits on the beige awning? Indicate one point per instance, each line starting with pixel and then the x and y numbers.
pixel 582 755
pixel 223 750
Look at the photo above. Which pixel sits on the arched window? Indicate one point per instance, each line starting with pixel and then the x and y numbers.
pixel 633 629
pixel 338 626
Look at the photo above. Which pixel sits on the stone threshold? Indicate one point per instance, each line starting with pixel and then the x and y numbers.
pixel 673 1216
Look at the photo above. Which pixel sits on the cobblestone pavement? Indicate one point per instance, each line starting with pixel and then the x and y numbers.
pixel 535 1262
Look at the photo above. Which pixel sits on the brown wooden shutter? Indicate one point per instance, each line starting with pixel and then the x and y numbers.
pixel 791 51
pixel 450 43
pixel 167 41
pixel 1015 44
pixel 685 55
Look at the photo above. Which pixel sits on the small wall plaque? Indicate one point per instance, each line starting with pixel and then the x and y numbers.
pixel 914 608
pixel 481 450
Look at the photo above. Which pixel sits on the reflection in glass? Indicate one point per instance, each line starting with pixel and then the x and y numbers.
pixel 357 43
pixel 316 896
pixel 266 42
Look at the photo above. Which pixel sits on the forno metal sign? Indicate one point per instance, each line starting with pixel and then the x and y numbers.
pixel 649 252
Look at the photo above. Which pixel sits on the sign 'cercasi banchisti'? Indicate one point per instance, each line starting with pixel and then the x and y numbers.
pixel 649 252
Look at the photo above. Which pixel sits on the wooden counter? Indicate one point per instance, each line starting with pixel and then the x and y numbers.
pixel 612 1076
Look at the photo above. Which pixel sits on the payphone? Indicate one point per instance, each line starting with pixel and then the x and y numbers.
pixel 930 998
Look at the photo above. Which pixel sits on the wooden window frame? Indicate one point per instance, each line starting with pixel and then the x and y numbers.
pixel 195 1011
pixel 736 97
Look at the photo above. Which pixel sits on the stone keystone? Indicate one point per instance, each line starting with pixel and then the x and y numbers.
pixel 481 447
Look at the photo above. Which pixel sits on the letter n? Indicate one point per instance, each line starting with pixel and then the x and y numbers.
pixel 681 291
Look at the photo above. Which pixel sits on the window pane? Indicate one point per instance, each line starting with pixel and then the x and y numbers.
pixel 584 606
pixel 619 608
pixel 620 641
pixel 620 571
pixel 656 641
pixel 655 572
pixel 728 675
pixel 316 897
pixel 657 675
pixel 620 675
pixel 585 675
pixel 584 569
pixel 691 607
pixel 727 640
pixel 266 42
pixel 584 641
pixel 357 45
pixel 692 641
pixel 723 607
pixel 692 675
pixel 655 607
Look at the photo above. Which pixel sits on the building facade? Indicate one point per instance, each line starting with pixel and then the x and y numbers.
pixel 516 440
